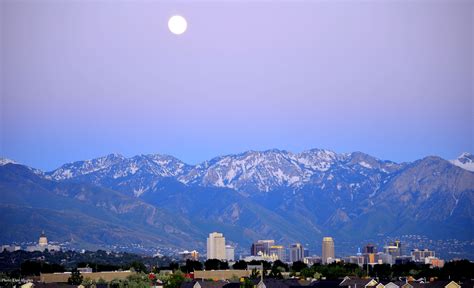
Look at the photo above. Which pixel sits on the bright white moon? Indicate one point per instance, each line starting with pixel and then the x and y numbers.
pixel 177 24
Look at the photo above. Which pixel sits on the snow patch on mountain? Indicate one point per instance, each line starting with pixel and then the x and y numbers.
pixel 465 161
pixel 365 164
pixel 248 172
pixel 5 161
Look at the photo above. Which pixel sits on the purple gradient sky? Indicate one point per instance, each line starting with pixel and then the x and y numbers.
pixel 82 79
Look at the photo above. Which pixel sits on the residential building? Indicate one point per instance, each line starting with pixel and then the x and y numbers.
pixel 354 282
pixel 205 284
pixel 443 284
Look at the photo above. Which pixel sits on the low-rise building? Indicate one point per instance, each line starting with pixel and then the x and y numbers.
pixel 217 275
pixel 63 277
pixel 189 255
pixel 43 245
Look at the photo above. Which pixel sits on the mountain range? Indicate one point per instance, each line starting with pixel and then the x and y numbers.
pixel 158 200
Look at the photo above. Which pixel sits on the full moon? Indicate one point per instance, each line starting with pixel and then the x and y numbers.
pixel 177 24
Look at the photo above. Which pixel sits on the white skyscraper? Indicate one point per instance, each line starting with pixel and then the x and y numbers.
pixel 229 253
pixel 216 246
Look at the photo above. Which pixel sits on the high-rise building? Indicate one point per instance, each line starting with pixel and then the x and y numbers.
pixel 420 255
pixel 261 246
pixel 370 249
pixel 394 249
pixel 216 246
pixel 328 250
pixel 296 252
pixel 369 253
pixel 229 253
pixel 279 252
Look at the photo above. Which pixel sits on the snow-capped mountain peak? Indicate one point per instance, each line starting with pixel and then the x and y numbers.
pixel 247 172
pixel 465 161
pixel 5 161
pixel 115 166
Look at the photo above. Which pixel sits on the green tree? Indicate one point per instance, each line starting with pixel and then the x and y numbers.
pixel 307 272
pixel 382 271
pixel 458 270
pixel 298 266
pixel 212 264
pixel 276 272
pixel 279 263
pixel 191 266
pixel 240 265
pixel 76 278
pixel 175 280
pixel 88 282
pixel 317 275
pixel 247 283
pixel 139 280
pixel 138 267
pixel 255 274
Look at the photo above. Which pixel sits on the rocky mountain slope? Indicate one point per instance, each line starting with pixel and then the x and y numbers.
pixel 256 194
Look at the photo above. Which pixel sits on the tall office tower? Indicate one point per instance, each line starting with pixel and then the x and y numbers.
pixel 394 249
pixel 369 253
pixel 229 253
pixel 279 252
pixel 399 245
pixel 261 246
pixel 370 249
pixel 216 246
pixel 328 249
pixel 296 252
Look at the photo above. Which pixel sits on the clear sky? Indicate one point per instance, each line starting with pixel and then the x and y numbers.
pixel 82 79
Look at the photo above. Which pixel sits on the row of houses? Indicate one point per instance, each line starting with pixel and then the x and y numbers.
pixel 347 282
